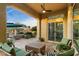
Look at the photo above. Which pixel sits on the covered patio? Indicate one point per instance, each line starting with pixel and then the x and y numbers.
pixel 45 14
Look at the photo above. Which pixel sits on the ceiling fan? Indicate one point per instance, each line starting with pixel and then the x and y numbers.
pixel 44 10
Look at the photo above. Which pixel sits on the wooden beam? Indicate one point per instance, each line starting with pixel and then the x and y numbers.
pixel 26 9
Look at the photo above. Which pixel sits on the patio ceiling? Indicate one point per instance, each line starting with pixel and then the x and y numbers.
pixel 48 6
pixel 35 9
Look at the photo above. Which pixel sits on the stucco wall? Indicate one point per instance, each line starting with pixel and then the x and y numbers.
pixel 2 22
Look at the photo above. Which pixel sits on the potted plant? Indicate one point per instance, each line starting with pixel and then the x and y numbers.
pixel 42 39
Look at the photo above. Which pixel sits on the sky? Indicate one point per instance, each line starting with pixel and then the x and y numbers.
pixel 17 16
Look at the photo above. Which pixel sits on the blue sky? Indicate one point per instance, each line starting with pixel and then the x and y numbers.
pixel 16 16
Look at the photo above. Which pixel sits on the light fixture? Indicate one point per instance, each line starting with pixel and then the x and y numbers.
pixel 44 11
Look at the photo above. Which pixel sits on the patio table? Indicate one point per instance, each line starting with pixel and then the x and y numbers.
pixel 37 47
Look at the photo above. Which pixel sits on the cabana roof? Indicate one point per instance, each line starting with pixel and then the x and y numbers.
pixel 14 25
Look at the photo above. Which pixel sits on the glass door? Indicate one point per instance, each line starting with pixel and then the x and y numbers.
pixel 55 31
pixel 76 29
pixel 59 31
pixel 51 31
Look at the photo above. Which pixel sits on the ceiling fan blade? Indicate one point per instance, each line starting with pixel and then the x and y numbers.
pixel 43 6
pixel 48 10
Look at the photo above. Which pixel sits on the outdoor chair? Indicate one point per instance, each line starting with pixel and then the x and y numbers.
pixel 14 51
pixel 76 41
pixel 64 48
pixel 64 44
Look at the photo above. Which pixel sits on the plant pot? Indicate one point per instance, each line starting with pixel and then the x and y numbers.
pixel 42 39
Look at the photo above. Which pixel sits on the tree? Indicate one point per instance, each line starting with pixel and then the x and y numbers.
pixel 34 28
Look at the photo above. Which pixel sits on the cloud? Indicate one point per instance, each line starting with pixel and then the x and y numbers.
pixel 29 22
pixel 15 16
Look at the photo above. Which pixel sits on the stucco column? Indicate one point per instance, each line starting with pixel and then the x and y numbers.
pixel 39 28
pixel 65 25
pixel 2 22
pixel 44 29
pixel 70 22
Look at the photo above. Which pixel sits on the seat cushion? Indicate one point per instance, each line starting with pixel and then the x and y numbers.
pixel 77 42
pixel 67 53
pixel 65 41
pixel 61 47
pixel 20 52
pixel 6 47
pixel 16 49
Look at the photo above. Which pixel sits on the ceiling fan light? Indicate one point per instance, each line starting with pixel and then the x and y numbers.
pixel 44 11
